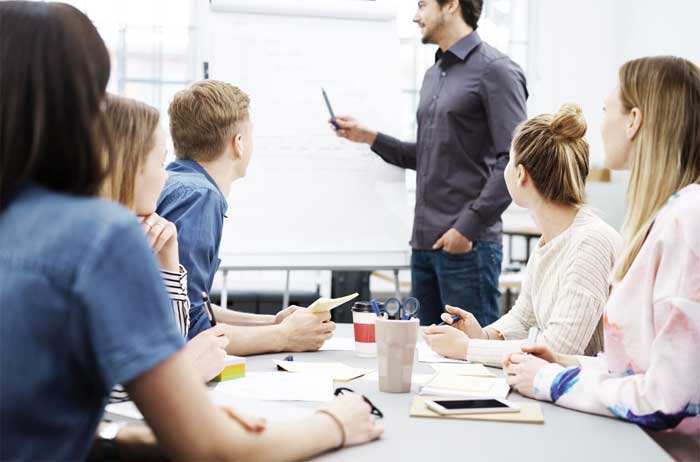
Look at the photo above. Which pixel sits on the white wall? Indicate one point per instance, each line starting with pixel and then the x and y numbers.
pixel 577 48
pixel 646 27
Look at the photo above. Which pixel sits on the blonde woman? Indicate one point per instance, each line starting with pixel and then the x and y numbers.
pixel 650 371
pixel 136 180
pixel 566 280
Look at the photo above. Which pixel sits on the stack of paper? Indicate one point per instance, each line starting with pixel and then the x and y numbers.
pixel 326 304
pixel 337 371
pixel 234 369
pixel 530 412
pixel 445 384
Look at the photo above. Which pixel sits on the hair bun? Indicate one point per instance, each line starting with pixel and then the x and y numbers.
pixel 569 123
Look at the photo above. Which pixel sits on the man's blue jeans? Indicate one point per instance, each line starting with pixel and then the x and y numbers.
pixel 468 281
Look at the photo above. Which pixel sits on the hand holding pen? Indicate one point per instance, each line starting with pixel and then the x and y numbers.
pixel 464 321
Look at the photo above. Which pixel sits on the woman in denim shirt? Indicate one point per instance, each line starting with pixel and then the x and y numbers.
pixel 82 303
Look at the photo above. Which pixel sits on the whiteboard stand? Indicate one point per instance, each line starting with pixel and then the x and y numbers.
pixel 394 261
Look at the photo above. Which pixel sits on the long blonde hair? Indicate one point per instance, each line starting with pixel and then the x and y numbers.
pixel 131 124
pixel 552 148
pixel 666 151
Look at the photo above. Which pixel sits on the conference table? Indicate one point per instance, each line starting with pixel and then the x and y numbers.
pixel 566 435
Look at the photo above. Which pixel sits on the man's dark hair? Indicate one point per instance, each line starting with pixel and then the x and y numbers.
pixel 471 11
pixel 54 72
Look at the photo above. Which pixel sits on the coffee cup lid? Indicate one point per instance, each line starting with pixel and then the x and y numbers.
pixel 365 307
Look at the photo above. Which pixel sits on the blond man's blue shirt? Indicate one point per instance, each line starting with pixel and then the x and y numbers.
pixel 195 204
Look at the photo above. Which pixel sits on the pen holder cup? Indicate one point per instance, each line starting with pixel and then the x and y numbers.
pixel 396 349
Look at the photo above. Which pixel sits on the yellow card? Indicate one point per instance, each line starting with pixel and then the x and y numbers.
pixel 326 304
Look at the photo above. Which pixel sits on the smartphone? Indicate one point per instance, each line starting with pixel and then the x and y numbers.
pixel 471 406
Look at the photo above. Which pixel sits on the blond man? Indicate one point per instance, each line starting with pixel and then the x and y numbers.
pixel 212 134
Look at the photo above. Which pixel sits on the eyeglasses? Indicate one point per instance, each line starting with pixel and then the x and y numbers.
pixel 375 410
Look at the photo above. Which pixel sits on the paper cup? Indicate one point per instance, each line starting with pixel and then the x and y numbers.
pixel 363 318
pixel 396 348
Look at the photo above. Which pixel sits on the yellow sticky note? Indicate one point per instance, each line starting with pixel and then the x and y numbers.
pixel 326 304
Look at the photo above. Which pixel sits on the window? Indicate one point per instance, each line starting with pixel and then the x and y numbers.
pixel 152 46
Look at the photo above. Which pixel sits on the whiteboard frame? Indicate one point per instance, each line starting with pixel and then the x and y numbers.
pixel 379 10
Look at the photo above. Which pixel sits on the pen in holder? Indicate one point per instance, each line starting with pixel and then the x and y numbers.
pixel 396 349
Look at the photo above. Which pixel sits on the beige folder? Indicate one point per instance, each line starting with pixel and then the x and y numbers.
pixel 530 412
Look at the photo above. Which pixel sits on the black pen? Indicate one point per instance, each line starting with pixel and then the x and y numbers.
pixel 330 110
pixel 205 298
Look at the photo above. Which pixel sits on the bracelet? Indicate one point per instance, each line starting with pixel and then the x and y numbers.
pixel 337 421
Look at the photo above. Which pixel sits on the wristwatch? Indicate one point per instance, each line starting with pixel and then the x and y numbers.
pixel 107 436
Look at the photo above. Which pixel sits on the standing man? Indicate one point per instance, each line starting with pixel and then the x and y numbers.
pixel 471 101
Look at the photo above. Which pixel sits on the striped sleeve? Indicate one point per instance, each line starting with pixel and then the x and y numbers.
pixel 491 352
pixel 176 286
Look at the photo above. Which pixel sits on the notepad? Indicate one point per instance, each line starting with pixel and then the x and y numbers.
pixel 475 370
pixel 427 355
pixel 326 304
pixel 234 368
pixel 338 371
pixel 445 384
pixel 530 412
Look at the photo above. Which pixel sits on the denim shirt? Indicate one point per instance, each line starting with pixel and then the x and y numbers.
pixel 194 203
pixel 82 308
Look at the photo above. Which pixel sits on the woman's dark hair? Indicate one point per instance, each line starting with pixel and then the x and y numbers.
pixel 471 11
pixel 54 69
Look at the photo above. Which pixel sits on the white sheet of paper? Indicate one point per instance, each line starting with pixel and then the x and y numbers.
pixel 475 370
pixel 326 304
pixel 273 411
pixel 339 344
pixel 279 386
pixel 338 371
pixel 427 355
pixel 125 409
pixel 418 379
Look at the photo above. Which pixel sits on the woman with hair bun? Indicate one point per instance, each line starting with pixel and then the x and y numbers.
pixel 649 373
pixel 566 280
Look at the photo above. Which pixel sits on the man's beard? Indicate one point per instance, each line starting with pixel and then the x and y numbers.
pixel 429 36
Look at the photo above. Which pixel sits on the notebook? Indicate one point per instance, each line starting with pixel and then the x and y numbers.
pixel 530 412
pixel 445 384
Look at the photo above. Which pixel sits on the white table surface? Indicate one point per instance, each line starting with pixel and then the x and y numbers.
pixel 566 435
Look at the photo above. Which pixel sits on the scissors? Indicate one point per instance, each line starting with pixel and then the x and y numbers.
pixel 405 310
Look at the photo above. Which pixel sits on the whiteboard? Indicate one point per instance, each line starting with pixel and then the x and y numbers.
pixel 309 196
